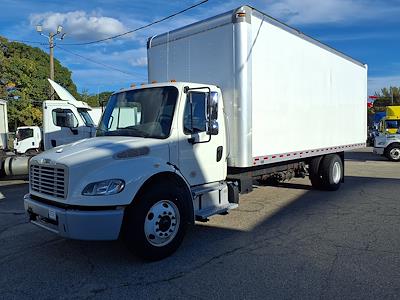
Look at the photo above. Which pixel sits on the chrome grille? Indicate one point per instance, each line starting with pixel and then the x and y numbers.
pixel 48 180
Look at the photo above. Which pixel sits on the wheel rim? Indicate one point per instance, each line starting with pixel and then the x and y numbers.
pixel 336 172
pixel 162 223
pixel 395 153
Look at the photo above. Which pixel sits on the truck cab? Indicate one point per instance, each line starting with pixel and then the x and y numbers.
pixel 390 124
pixel 66 120
pixel 165 143
pixel 388 145
pixel 27 140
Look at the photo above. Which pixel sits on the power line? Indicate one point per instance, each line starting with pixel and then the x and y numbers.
pixel 139 28
pixel 97 62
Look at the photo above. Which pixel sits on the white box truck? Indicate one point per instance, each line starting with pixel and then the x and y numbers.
pixel 233 98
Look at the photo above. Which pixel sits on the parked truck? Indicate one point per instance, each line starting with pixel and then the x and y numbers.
pixel 237 97
pixel 390 123
pixel 64 121
pixel 388 145
pixel 28 140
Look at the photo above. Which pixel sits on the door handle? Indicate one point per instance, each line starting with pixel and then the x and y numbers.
pixel 219 153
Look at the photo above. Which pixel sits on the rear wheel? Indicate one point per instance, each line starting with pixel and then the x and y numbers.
pixel 156 222
pixel 331 170
pixel 314 172
pixel 392 152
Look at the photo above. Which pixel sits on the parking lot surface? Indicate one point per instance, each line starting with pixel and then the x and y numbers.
pixel 285 241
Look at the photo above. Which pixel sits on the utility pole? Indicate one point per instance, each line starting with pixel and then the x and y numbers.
pixel 51 38
pixel 391 89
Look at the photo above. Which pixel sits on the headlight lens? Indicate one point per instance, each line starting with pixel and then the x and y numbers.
pixel 104 188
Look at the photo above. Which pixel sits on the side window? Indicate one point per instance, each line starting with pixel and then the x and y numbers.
pixel 64 118
pixel 24 133
pixel 195 113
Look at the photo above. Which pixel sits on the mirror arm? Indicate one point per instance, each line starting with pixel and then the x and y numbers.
pixel 73 130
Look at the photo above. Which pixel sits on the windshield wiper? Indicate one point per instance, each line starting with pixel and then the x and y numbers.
pixel 130 131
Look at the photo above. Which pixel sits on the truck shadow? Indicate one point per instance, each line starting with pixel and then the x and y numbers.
pixel 364 156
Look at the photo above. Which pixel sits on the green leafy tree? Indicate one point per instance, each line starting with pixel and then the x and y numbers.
pixel 95 100
pixel 23 75
pixel 23 81
pixel 387 96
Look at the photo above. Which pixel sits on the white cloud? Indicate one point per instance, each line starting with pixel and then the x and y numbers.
pixel 375 84
pixel 122 59
pixel 331 11
pixel 111 80
pixel 79 24
pixel 139 62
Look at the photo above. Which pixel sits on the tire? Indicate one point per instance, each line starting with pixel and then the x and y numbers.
pixel 314 172
pixel 392 152
pixel 156 222
pixel 331 170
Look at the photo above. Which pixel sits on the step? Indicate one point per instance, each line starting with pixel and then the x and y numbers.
pixel 215 210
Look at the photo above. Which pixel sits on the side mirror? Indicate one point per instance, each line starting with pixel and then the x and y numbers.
pixel 213 128
pixel 213 106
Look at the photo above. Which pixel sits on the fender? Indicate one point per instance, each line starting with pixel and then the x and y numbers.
pixel 136 172
pixel 180 181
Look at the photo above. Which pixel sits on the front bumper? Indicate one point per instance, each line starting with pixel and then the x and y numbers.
pixel 74 223
pixel 379 150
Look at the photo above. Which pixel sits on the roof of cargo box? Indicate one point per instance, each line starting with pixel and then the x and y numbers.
pixel 233 17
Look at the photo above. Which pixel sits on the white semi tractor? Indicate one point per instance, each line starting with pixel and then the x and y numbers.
pixel 234 98
pixel 64 121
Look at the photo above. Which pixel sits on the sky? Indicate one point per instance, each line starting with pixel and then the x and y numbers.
pixel 367 30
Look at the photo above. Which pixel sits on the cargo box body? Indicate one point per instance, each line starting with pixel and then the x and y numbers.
pixel 285 94
pixel 3 124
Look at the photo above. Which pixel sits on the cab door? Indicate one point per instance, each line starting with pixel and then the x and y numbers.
pixel 62 124
pixel 202 157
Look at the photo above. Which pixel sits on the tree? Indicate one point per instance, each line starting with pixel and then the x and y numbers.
pixel 23 81
pixel 95 100
pixel 22 112
pixel 23 75
pixel 385 98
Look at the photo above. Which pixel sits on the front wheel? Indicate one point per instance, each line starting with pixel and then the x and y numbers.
pixel 392 152
pixel 156 222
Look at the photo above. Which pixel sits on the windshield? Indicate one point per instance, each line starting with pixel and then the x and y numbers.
pixel 143 113
pixel 86 117
pixel 392 124
pixel 24 133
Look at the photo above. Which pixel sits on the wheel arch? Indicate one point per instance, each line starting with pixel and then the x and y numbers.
pixel 173 178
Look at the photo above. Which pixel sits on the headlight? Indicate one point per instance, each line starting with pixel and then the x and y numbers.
pixel 104 188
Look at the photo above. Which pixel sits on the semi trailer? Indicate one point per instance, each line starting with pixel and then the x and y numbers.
pixel 232 99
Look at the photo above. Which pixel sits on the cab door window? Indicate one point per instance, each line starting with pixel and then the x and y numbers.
pixel 64 118
pixel 195 118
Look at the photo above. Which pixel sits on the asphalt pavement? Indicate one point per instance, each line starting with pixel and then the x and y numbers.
pixel 286 241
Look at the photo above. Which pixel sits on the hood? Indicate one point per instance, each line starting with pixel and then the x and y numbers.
pixel 61 92
pixel 98 150
pixel 66 96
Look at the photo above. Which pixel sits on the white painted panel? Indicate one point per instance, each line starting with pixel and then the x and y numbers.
pixel 304 97
pixel 205 57
pixel 3 124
